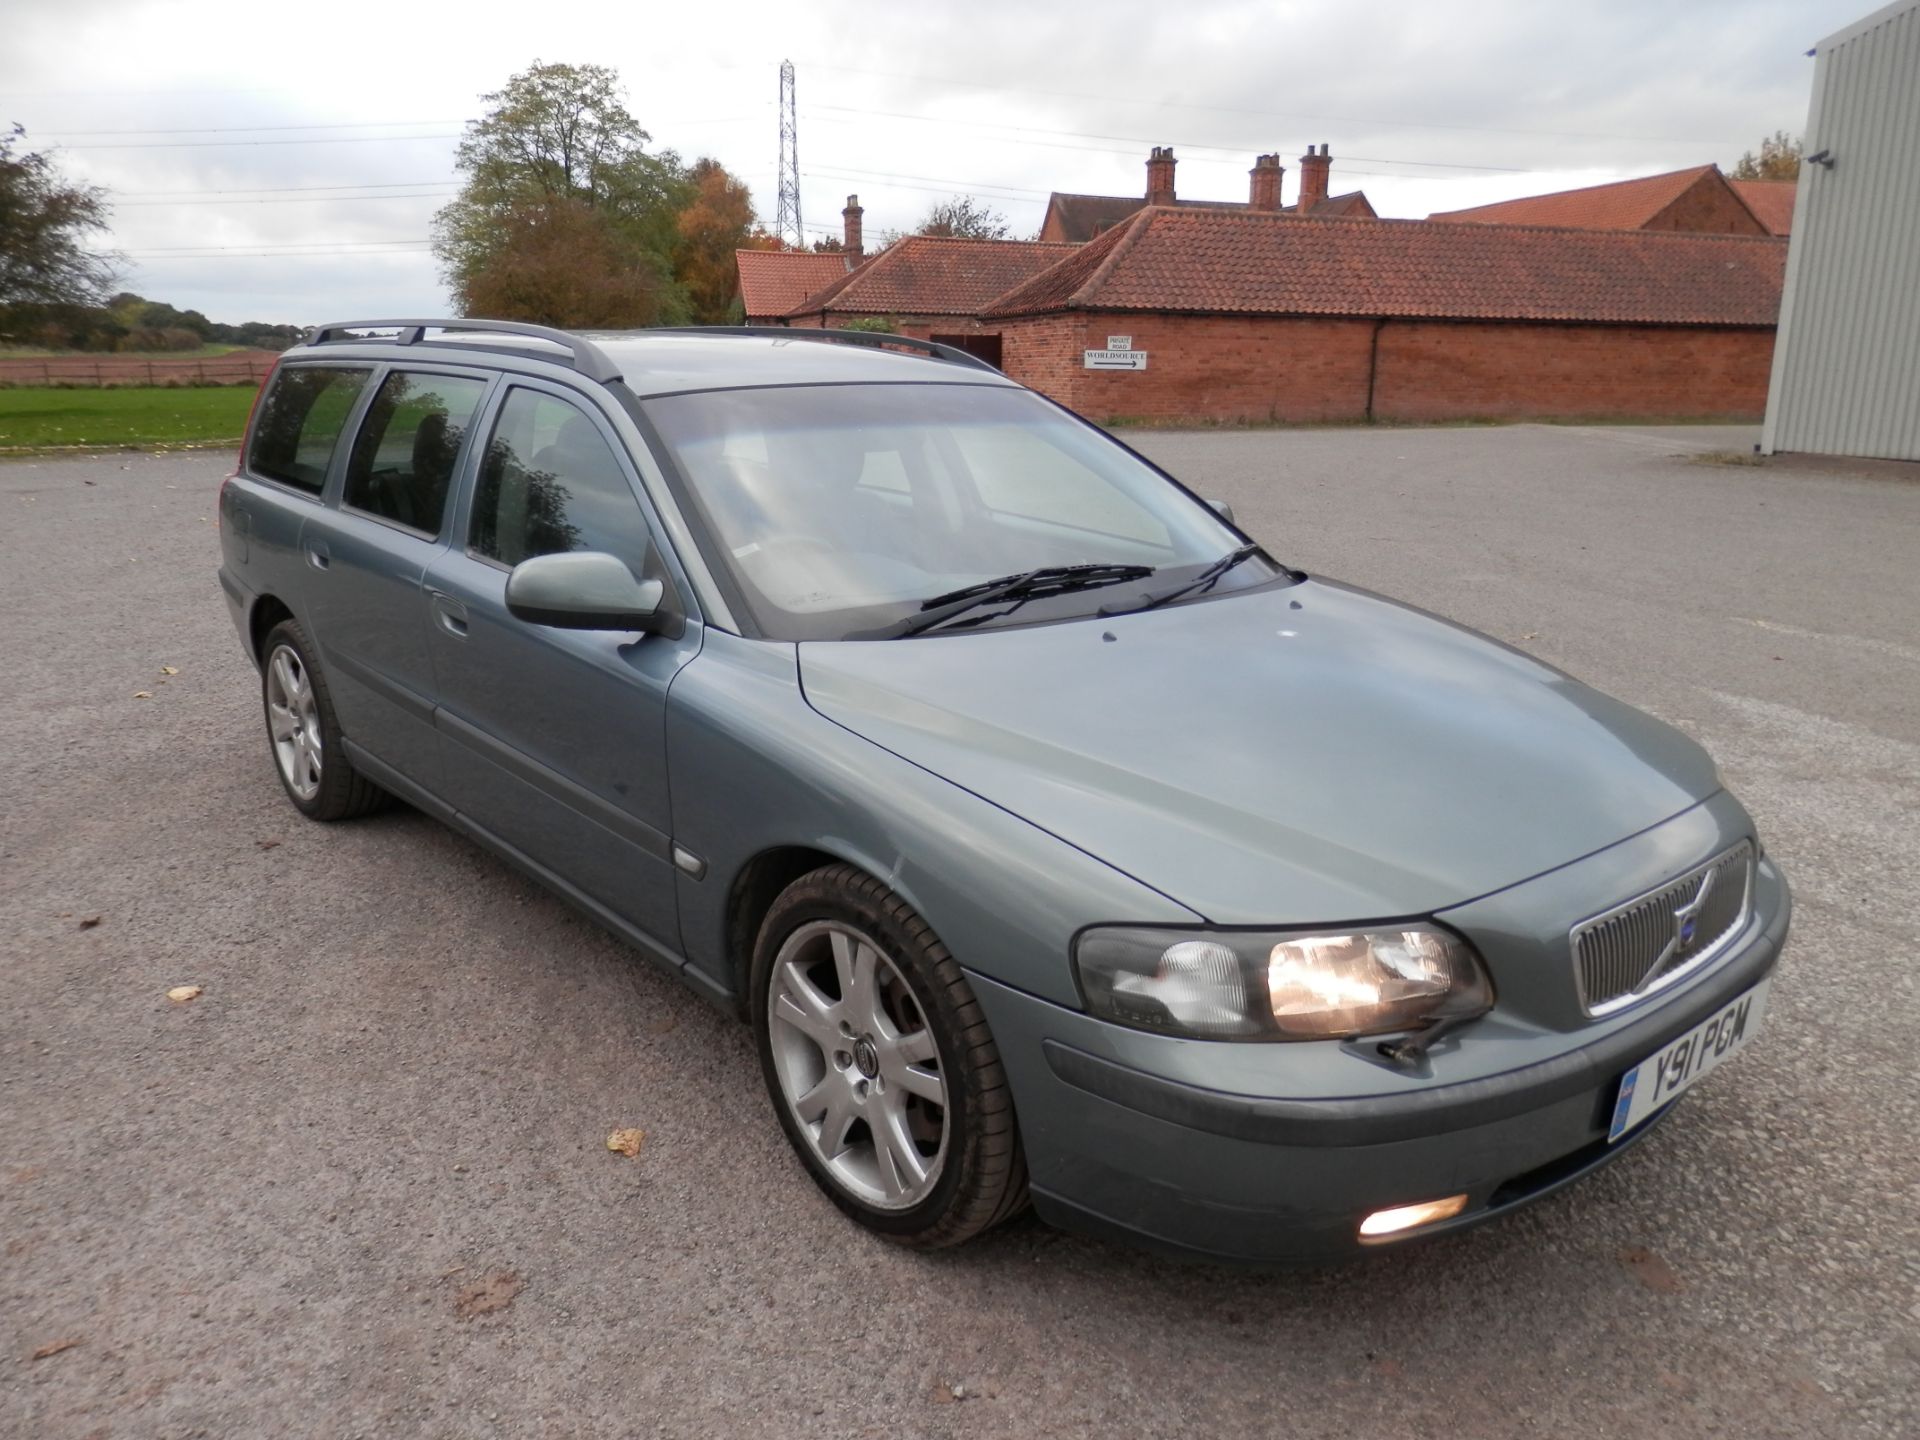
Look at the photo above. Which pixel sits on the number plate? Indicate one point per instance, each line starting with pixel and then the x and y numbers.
pixel 1692 1057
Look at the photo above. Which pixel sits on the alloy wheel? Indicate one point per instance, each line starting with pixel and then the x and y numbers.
pixel 293 721
pixel 858 1066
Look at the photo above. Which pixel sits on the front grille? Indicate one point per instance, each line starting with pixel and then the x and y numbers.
pixel 1647 943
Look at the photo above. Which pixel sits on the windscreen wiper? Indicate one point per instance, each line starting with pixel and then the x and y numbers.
pixel 1199 582
pixel 1023 585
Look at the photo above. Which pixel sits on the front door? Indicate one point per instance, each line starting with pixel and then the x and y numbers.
pixel 555 740
pixel 367 557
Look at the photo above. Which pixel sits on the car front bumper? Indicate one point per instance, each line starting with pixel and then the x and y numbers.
pixel 1226 1175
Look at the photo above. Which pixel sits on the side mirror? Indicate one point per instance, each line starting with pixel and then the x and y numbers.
pixel 583 590
pixel 1223 510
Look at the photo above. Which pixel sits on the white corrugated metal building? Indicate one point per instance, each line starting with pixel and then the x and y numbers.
pixel 1846 363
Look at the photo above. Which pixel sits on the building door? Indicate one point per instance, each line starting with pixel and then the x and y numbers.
pixel 987 347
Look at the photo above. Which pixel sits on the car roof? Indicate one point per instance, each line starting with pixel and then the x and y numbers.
pixel 658 364
pixel 663 362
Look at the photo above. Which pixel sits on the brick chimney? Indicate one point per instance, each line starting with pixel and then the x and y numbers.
pixel 1314 166
pixel 1263 188
pixel 850 217
pixel 1160 175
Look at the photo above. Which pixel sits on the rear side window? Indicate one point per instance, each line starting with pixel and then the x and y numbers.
pixel 402 463
pixel 300 420
pixel 549 483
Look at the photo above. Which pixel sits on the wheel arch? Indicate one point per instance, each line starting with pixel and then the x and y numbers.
pixel 756 885
pixel 268 611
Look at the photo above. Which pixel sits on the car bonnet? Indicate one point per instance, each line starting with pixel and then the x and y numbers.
pixel 1292 755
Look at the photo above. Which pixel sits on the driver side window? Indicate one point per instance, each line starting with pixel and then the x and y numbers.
pixel 550 482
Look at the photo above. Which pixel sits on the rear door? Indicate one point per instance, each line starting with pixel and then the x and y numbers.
pixel 367 555
pixel 297 429
pixel 554 740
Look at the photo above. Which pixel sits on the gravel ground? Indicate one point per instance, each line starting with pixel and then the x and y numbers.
pixel 360 1186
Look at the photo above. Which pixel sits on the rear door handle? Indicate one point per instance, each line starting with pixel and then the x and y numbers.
pixel 317 555
pixel 448 613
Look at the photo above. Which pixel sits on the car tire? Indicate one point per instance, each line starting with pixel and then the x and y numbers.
pixel 303 737
pixel 862 1018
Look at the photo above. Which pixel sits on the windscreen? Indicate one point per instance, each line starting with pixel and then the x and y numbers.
pixel 838 509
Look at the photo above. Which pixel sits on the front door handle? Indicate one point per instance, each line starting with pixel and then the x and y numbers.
pixel 448 613
pixel 317 555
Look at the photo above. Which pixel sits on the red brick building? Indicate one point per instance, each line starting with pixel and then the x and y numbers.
pixel 772 282
pixel 1251 317
pixel 932 288
pixel 1078 218
pixel 1701 200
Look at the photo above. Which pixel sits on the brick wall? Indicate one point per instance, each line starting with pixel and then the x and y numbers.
pixel 1244 369
pixel 1466 372
pixel 1708 206
pixel 919 327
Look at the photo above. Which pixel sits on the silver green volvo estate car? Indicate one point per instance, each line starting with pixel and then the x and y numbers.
pixel 1059 843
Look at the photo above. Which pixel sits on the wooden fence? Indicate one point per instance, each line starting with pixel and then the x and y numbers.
pixel 235 368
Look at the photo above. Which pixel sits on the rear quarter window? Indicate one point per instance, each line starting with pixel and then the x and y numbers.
pixel 301 419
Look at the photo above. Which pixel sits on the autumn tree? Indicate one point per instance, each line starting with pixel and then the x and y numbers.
pixel 45 220
pixel 558 159
pixel 965 218
pixel 717 221
pixel 1779 159
pixel 562 262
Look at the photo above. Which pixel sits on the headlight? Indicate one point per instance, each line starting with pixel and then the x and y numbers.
pixel 1227 985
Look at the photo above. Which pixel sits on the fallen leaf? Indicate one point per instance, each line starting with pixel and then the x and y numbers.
pixel 55 1347
pixel 169 670
pixel 496 1292
pixel 89 922
pixel 266 844
pixel 626 1142
pixel 181 994
pixel 1651 1271
pixel 143 695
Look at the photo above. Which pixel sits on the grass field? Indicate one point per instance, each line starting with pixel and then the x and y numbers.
pixel 35 419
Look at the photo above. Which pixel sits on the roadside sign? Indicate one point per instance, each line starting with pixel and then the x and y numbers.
pixel 1119 342
pixel 1111 359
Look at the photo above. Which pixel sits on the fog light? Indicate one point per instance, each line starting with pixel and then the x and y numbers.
pixel 1410 1217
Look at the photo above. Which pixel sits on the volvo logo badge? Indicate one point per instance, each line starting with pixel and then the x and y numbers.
pixel 1686 920
pixel 866 1057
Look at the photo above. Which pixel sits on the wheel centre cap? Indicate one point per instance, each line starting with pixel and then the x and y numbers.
pixel 866 1057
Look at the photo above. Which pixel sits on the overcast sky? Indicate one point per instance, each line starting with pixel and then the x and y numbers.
pixel 282 163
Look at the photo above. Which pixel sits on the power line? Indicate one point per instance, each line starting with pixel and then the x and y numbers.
pixel 319 140
pixel 274 255
pixel 1134 102
pixel 295 245
pixel 287 189
pixel 252 129
pixel 287 200
pixel 1141 140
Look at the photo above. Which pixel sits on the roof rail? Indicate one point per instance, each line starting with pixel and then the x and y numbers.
pixel 873 339
pixel 589 359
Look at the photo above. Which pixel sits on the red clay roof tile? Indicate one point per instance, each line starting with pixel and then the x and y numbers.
pixel 1771 202
pixel 933 275
pixel 772 282
pixel 1245 262
pixel 1083 217
pixel 1621 205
